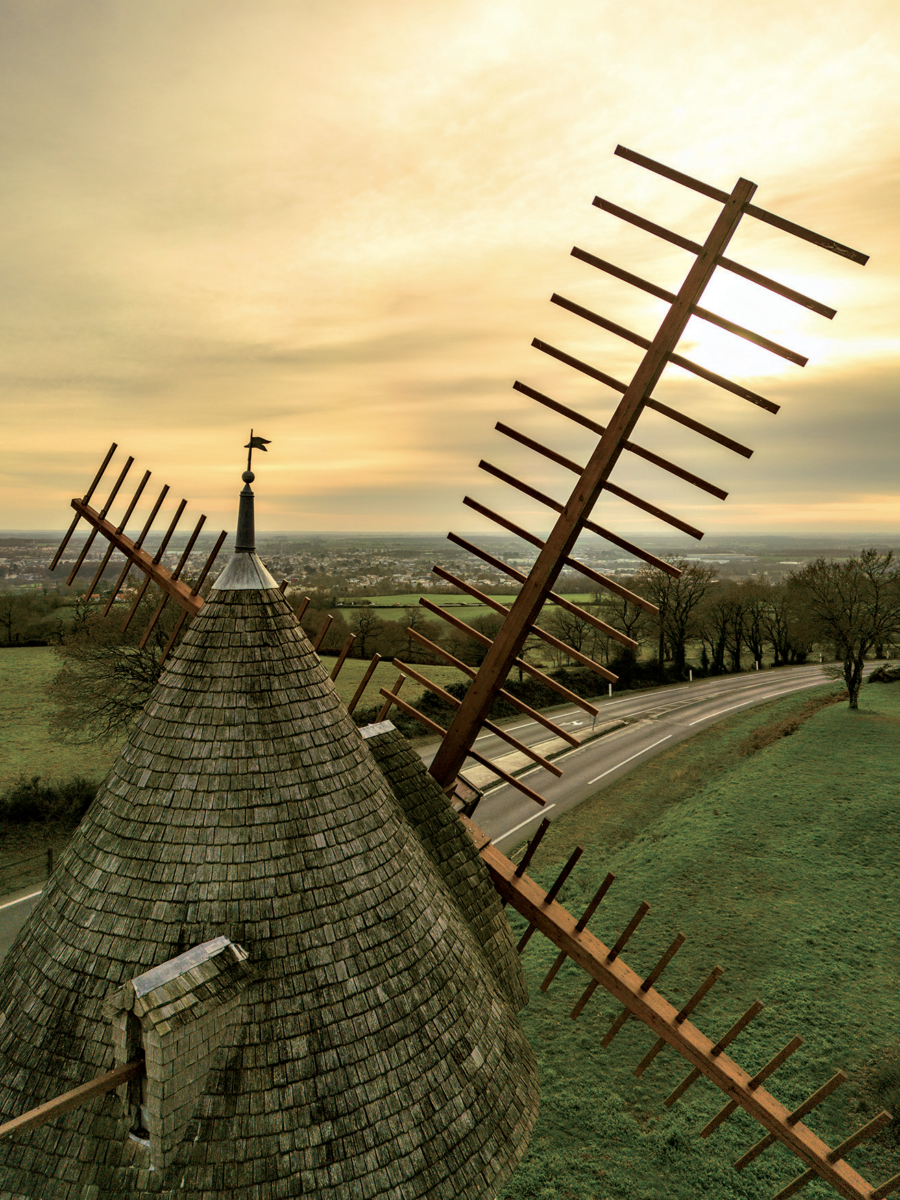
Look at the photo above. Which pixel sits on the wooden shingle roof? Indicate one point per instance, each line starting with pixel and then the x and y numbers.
pixel 377 1054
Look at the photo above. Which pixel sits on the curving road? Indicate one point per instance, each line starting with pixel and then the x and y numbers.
pixel 653 721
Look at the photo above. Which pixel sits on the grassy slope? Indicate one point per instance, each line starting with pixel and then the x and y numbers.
pixel 782 868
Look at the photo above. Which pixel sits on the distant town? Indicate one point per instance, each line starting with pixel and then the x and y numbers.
pixel 357 566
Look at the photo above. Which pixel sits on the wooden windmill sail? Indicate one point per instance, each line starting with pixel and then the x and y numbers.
pixel 604 965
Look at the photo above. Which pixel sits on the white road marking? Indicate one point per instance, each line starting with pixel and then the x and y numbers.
pixel 771 696
pixel 516 828
pixel 628 760
pixel 21 899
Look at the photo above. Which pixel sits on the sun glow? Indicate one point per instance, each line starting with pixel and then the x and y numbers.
pixel 757 310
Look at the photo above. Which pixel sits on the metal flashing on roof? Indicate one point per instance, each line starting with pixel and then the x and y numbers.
pixel 245 573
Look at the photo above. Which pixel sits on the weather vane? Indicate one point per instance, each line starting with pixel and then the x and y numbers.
pixel 255 443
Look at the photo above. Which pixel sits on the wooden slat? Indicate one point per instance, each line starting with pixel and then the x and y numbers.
pixel 588 572
pixel 122 543
pixel 342 657
pixel 729 265
pixel 589 525
pixel 629 929
pixel 555 642
pixel 703 313
pixel 751 210
pixel 491 726
pixel 120 527
pixel 554 891
pixel 552 597
pixel 176 574
pixel 609 486
pixel 390 697
pixel 649 455
pixel 73 1099
pixel 866 1131
pixel 679 360
pixel 698 427
pixel 518 662
pixel 155 565
pixel 585 368
pixel 87 495
pixel 806 1107
pixel 103 512
pixel 519 705
pixel 323 629
pixel 725 1040
pixel 357 695
pixel 763 1073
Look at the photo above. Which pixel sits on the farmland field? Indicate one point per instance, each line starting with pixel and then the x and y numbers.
pixel 26 747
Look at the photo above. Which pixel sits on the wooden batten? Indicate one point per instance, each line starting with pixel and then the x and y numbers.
pixel 519 705
pixel 320 636
pixel 552 597
pixel 342 657
pixel 703 313
pixel 103 512
pixel 614 490
pixel 73 1099
pixel 751 210
pixel 519 662
pixel 589 525
pixel 728 264
pixel 491 726
pixel 176 574
pixel 698 427
pixel 588 572
pixel 85 498
pixel 637 340
pixel 358 694
pixel 640 451
pixel 555 642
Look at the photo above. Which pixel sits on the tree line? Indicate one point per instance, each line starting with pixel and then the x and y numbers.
pixel 840 610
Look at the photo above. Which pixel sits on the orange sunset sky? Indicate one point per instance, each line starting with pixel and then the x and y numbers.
pixel 340 222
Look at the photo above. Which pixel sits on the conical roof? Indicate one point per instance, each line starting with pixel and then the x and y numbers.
pixel 374 1051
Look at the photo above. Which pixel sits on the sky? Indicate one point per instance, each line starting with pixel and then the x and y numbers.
pixel 340 222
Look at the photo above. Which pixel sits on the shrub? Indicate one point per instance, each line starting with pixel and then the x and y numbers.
pixel 30 800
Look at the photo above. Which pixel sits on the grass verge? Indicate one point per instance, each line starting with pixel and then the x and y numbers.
pixel 779 862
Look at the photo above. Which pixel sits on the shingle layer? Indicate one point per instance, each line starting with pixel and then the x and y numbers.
pixel 378 1054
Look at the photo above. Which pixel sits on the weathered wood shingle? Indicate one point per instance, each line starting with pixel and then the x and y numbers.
pixel 378 1056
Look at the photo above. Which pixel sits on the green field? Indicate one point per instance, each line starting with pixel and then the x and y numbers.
pixel 26 747
pixel 780 864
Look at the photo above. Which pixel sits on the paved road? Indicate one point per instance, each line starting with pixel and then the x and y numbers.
pixel 654 720
pixel 14 910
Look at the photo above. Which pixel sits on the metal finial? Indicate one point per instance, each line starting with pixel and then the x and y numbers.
pixel 245 542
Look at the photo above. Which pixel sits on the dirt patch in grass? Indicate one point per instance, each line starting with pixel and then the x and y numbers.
pixel 782 727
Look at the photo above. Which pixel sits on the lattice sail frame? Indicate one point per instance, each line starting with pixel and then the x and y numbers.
pixel 603 965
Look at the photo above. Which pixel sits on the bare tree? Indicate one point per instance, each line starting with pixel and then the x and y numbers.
pixel 854 604
pixel 678 600
pixel 366 625
pixel 105 677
